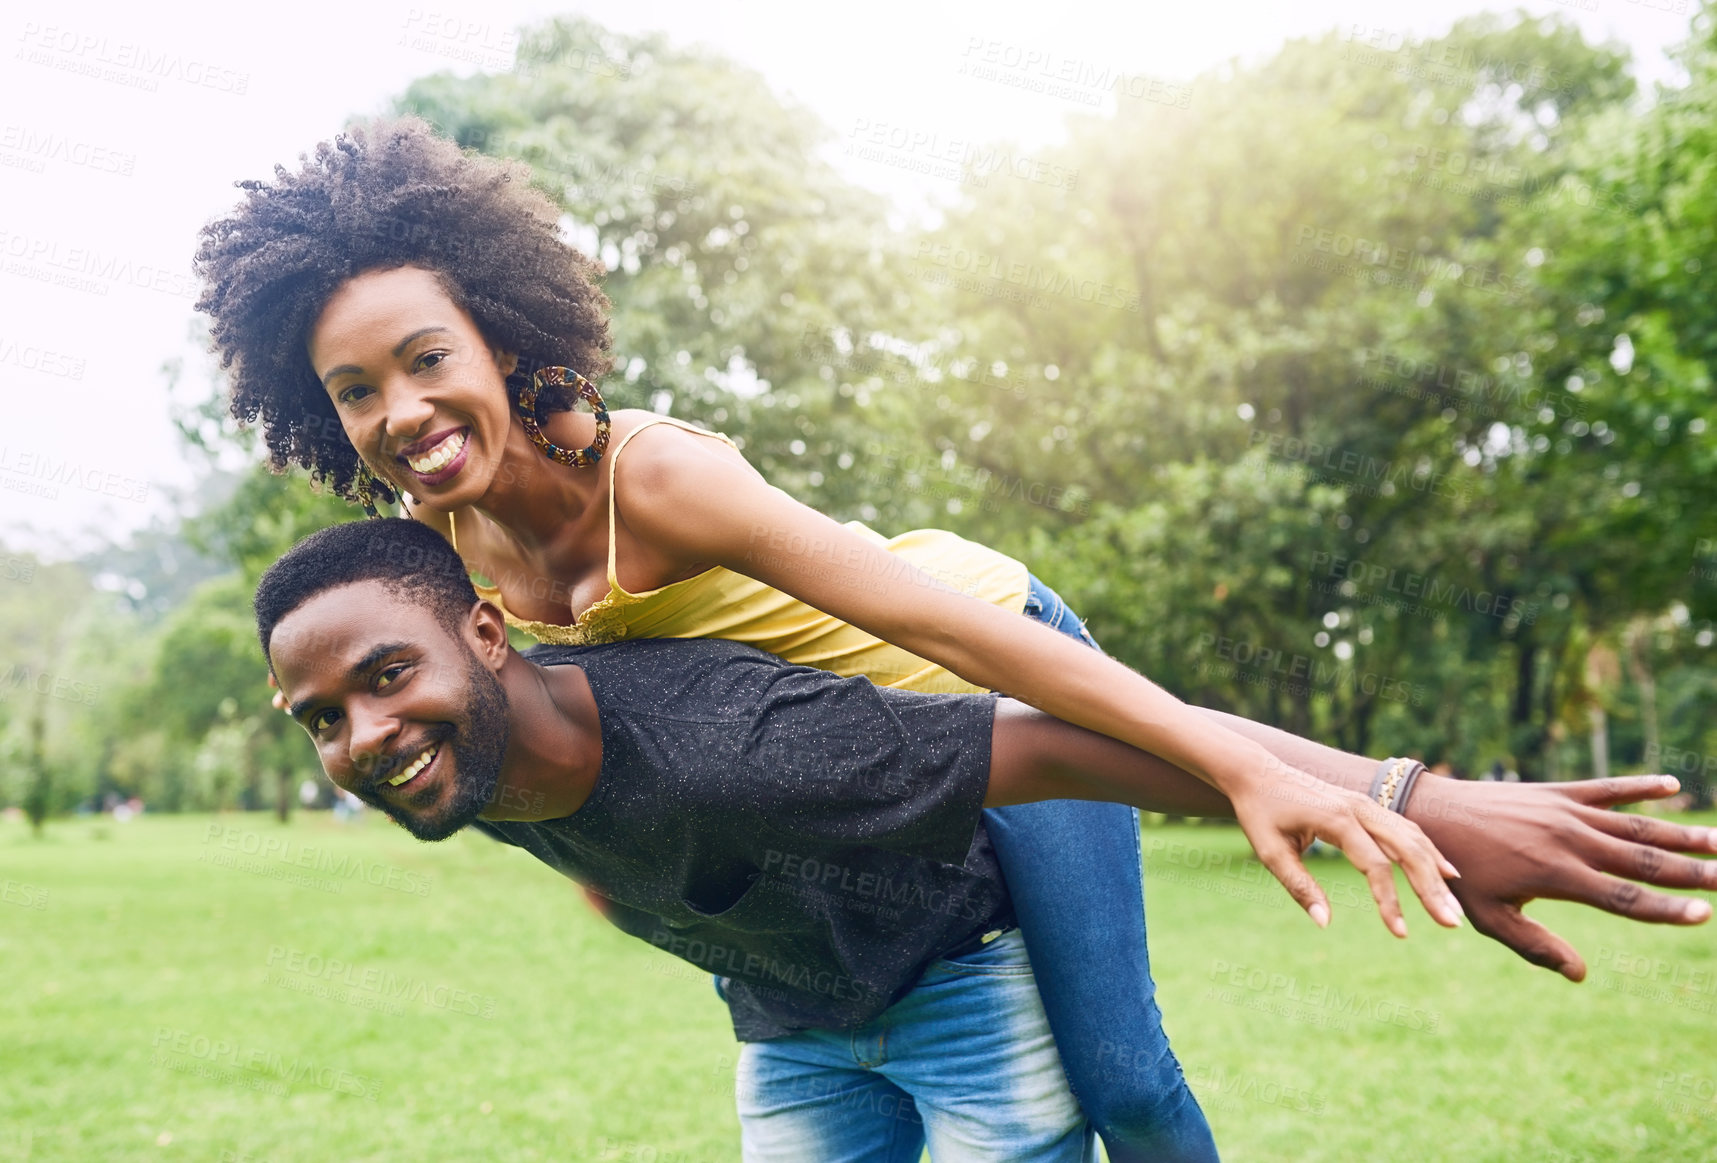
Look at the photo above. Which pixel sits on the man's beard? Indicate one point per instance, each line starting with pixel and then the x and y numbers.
pixel 477 748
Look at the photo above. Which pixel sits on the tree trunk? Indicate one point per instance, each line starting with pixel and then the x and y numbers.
pixel 1639 666
pixel 283 794
pixel 1600 742
pixel 1526 737
pixel 1362 726
pixel 41 782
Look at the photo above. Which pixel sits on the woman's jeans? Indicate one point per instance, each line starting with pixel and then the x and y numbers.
pixel 1074 871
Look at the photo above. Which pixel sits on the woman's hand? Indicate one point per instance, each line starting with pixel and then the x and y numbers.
pixel 1521 842
pixel 1284 809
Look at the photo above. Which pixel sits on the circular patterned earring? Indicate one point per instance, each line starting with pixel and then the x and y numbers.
pixel 528 410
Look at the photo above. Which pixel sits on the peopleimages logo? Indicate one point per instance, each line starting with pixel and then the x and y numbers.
pixel 1026 277
pixel 222 1060
pixel 1309 998
pixel 30 357
pixel 53 686
pixel 750 967
pixel 831 877
pixel 41 147
pixel 1358 472
pixel 306 968
pixel 957 158
pixel 223 845
pixel 1053 74
pixel 89 268
pixel 1413 266
pixel 41 473
pixel 1302 674
pixel 1455 387
pixel 125 62
pixel 1353 577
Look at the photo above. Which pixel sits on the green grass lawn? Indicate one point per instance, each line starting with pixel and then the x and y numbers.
pixel 222 988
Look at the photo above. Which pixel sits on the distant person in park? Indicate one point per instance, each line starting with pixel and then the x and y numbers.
pixel 406 322
pixel 884 1000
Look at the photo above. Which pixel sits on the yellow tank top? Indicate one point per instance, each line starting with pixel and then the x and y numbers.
pixel 719 603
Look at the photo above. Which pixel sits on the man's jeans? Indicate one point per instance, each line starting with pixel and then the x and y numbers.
pixel 964 1063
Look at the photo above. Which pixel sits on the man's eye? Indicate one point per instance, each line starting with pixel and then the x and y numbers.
pixel 389 675
pixel 322 720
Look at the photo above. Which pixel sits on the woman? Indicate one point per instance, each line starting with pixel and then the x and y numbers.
pixel 398 316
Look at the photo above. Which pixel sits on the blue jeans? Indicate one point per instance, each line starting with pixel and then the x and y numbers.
pixel 1074 870
pixel 964 1063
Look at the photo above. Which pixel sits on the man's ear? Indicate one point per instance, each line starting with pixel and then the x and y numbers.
pixel 486 627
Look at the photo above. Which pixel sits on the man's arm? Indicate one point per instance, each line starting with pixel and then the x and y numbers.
pixel 1037 757
pixel 1512 842
pixel 1519 842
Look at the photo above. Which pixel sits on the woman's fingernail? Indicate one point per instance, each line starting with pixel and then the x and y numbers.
pixel 1320 915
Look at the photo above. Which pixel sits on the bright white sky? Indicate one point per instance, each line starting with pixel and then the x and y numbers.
pixel 104 183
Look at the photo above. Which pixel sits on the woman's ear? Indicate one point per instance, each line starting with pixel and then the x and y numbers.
pixel 507 362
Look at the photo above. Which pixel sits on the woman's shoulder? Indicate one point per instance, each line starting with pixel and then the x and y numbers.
pixel 670 469
pixel 655 444
pixel 627 420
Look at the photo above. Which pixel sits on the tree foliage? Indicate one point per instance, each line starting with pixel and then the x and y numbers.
pixel 1369 393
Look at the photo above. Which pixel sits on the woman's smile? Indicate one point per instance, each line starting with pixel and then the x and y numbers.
pixel 438 458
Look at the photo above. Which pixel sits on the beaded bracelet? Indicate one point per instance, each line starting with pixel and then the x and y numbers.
pixel 1394 782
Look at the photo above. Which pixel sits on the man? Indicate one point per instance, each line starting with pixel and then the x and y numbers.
pixel 815 840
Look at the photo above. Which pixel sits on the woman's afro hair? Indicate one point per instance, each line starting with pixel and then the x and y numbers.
pixel 387 194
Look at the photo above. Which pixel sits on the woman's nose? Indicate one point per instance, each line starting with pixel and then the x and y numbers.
pixel 408 414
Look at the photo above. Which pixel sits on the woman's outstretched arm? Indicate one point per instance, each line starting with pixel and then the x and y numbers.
pixel 703 505
pixel 1517 842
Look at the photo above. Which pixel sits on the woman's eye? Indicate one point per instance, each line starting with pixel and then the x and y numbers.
pixel 353 394
pixel 430 359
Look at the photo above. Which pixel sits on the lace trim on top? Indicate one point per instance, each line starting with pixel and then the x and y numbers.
pixel 604 621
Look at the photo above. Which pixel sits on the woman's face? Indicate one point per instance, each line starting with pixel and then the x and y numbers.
pixel 419 393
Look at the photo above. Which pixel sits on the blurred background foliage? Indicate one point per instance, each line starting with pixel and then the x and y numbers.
pixel 1368 394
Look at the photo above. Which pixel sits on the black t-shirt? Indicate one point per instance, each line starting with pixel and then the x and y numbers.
pixel 814 840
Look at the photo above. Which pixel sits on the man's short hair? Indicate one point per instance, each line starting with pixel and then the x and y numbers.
pixel 408 557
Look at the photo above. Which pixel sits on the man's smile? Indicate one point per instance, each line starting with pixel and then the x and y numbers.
pixel 424 759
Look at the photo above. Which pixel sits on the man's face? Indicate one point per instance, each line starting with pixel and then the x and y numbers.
pixel 404 714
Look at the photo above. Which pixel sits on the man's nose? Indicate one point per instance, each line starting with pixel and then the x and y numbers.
pixel 372 739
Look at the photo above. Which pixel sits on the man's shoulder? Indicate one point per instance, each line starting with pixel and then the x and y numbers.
pixel 488 829
pixel 698 678
pixel 637 653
